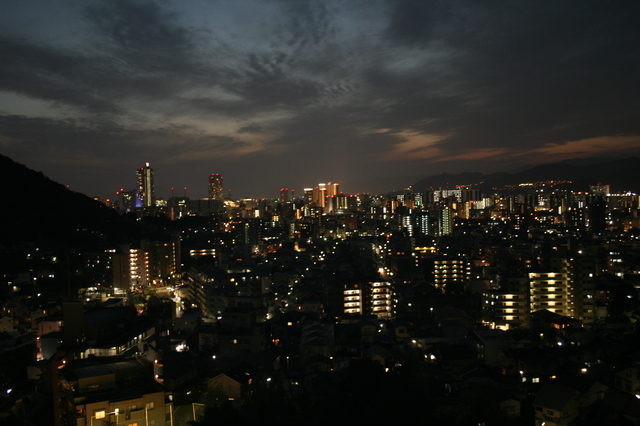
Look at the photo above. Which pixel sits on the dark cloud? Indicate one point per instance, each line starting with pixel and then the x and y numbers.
pixel 42 72
pixel 415 22
pixel 253 128
pixel 141 27
pixel 308 22
pixel 268 82
pixel 108 140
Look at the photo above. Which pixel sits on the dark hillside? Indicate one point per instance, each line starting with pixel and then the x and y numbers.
pixel 36 209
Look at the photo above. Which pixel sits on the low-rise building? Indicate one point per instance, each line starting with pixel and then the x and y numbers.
pixel 121 390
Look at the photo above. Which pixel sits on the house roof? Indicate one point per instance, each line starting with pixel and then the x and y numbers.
pixel 101 366
pixel 626 404
pixel 554 396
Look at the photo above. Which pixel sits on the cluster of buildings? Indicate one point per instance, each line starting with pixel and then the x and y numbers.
pixel 528 293
pixel 143 202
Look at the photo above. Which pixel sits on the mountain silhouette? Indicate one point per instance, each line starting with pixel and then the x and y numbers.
pixel 37 209
pixel 620 174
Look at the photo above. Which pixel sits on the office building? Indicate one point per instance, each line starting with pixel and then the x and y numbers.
pixel 333 189
pixel 319 196
pixel 216 191
pixel 285 195
pixel 307 195
pixel 145 196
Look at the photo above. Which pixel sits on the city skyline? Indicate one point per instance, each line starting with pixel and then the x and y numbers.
pixel 374 95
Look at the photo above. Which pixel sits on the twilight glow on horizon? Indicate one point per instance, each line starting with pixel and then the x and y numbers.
pixel 374 94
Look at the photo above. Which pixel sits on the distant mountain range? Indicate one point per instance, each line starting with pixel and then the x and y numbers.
pixel 620 174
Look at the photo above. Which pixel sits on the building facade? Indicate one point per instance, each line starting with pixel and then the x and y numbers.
pixel 120 391
pixel 216 189
pixel 145 195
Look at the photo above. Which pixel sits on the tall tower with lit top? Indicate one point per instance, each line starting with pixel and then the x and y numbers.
pixel 145 196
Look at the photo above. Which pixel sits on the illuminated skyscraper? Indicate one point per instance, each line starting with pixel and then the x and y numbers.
pixel 215 187
pixel 319 195
pixel 308 195
pixel 145 196
pixel 333 189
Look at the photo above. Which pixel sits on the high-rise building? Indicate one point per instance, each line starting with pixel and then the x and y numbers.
pixel 551 291
pixel 145 196
pixel 445 220
pixel 285 195
pixel 308 195
pixel 145 263
pixel 124 201
pixel 333 189
pixel 600 189
pixel 216 191
pixel 421 223
pixel 320 195
pixel 448 269
pixel 508 307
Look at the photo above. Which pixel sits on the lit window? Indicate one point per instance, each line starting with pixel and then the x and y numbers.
pixel 101 414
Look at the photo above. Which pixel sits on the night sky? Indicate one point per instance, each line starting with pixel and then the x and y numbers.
pixel 289 93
